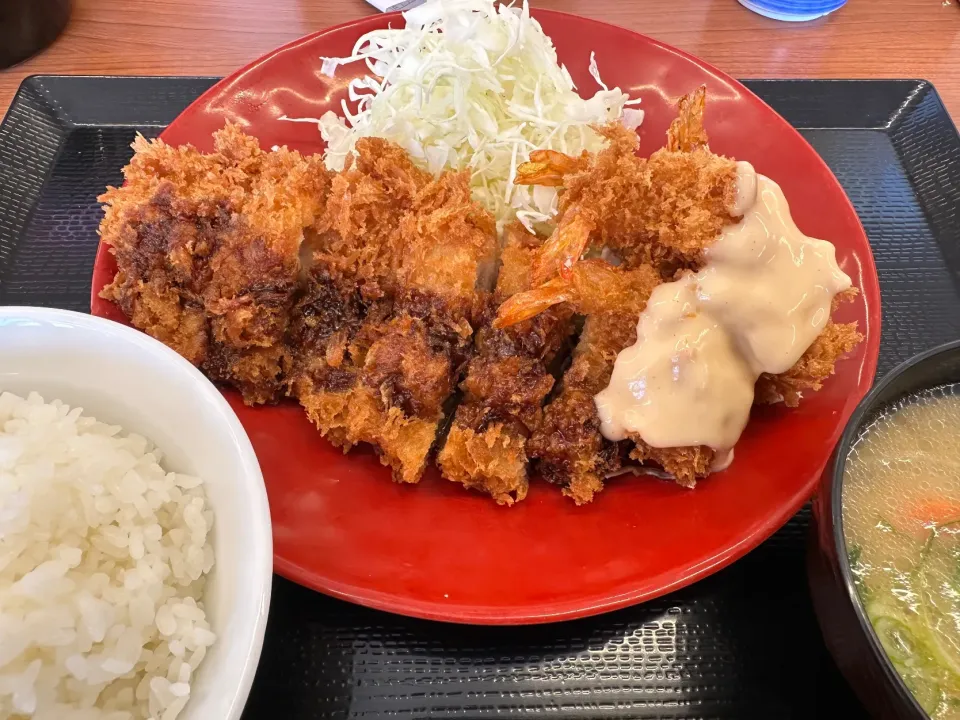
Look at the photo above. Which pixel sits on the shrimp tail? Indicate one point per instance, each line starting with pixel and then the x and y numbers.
pixel 547 167
pixel 563 248
pixel 531 303
pixel 686 132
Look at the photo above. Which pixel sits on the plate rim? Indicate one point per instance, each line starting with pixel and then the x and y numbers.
pixel 540 612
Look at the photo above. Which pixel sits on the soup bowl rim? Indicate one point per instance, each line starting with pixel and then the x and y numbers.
pixel 852 432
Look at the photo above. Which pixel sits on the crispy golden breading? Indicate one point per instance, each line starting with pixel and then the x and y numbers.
pixel 449 244
pixel 571 451
pixel 411 369
pixel 447 241
pixel 347 294
pixel 385 325
pixel 327 348
pixel 366 294
pixel 815 365
pixel 505 387
pixel 569 447
pixel 357 292
pixel 686 464
pixel 661 212
pixel 358 238
pixel 207 249
pixel 658 213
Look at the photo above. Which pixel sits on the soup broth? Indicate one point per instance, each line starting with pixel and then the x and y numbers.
pixel 901 523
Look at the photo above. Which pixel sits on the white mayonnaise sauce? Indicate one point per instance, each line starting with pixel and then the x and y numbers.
pixel 760 301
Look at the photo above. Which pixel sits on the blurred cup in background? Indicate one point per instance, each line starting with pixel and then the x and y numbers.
pixel 28 26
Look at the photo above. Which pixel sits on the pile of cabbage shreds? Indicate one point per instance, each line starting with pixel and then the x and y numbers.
pixel 471 85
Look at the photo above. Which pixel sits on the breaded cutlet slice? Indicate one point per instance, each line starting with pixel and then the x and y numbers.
pixel 349 284
pixel 397 263
pixel 448 243
pixel 207 249
pixel 505 386
pixel 569 448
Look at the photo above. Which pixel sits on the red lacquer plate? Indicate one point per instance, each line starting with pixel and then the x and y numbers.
pixel 437 551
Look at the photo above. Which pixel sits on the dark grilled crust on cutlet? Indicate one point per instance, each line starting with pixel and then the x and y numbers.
pixel 399 253
pixel 504 390
pixel 505 386
pixel 325 319
pixel 207 251
pixel 569 447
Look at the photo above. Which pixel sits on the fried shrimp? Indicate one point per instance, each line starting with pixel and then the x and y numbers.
pixel 662 213
pixel 591 286
pixel 549 168
pixel 662 210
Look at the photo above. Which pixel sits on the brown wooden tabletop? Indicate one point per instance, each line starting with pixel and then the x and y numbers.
pixel 864 39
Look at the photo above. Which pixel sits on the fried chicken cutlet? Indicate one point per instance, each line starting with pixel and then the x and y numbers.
pixel 350 283
pixel 385 326
pixel 505 386
pixel 207 249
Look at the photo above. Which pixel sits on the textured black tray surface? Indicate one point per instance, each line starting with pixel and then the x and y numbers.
pixel 743 643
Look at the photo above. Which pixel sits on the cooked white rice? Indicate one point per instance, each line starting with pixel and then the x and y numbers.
pixel 102 562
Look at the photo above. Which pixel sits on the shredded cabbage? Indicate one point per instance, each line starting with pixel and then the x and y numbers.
pixel 467 84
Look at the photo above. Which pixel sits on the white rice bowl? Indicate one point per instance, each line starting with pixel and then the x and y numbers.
pixel 103 562
pixel 129 588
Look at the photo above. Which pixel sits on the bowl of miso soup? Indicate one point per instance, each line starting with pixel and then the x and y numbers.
pixel 884 556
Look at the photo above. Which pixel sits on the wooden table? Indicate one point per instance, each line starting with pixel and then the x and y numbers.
pixel 865 39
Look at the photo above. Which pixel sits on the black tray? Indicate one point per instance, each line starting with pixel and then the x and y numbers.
pixel 743 643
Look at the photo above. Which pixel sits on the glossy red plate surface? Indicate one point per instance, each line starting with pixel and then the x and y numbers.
pixel 437 551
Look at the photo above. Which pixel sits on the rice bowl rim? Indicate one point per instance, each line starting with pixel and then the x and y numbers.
pixel 251 477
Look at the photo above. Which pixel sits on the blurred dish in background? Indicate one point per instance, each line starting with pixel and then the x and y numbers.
pixel 793 10
pixel 29 26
